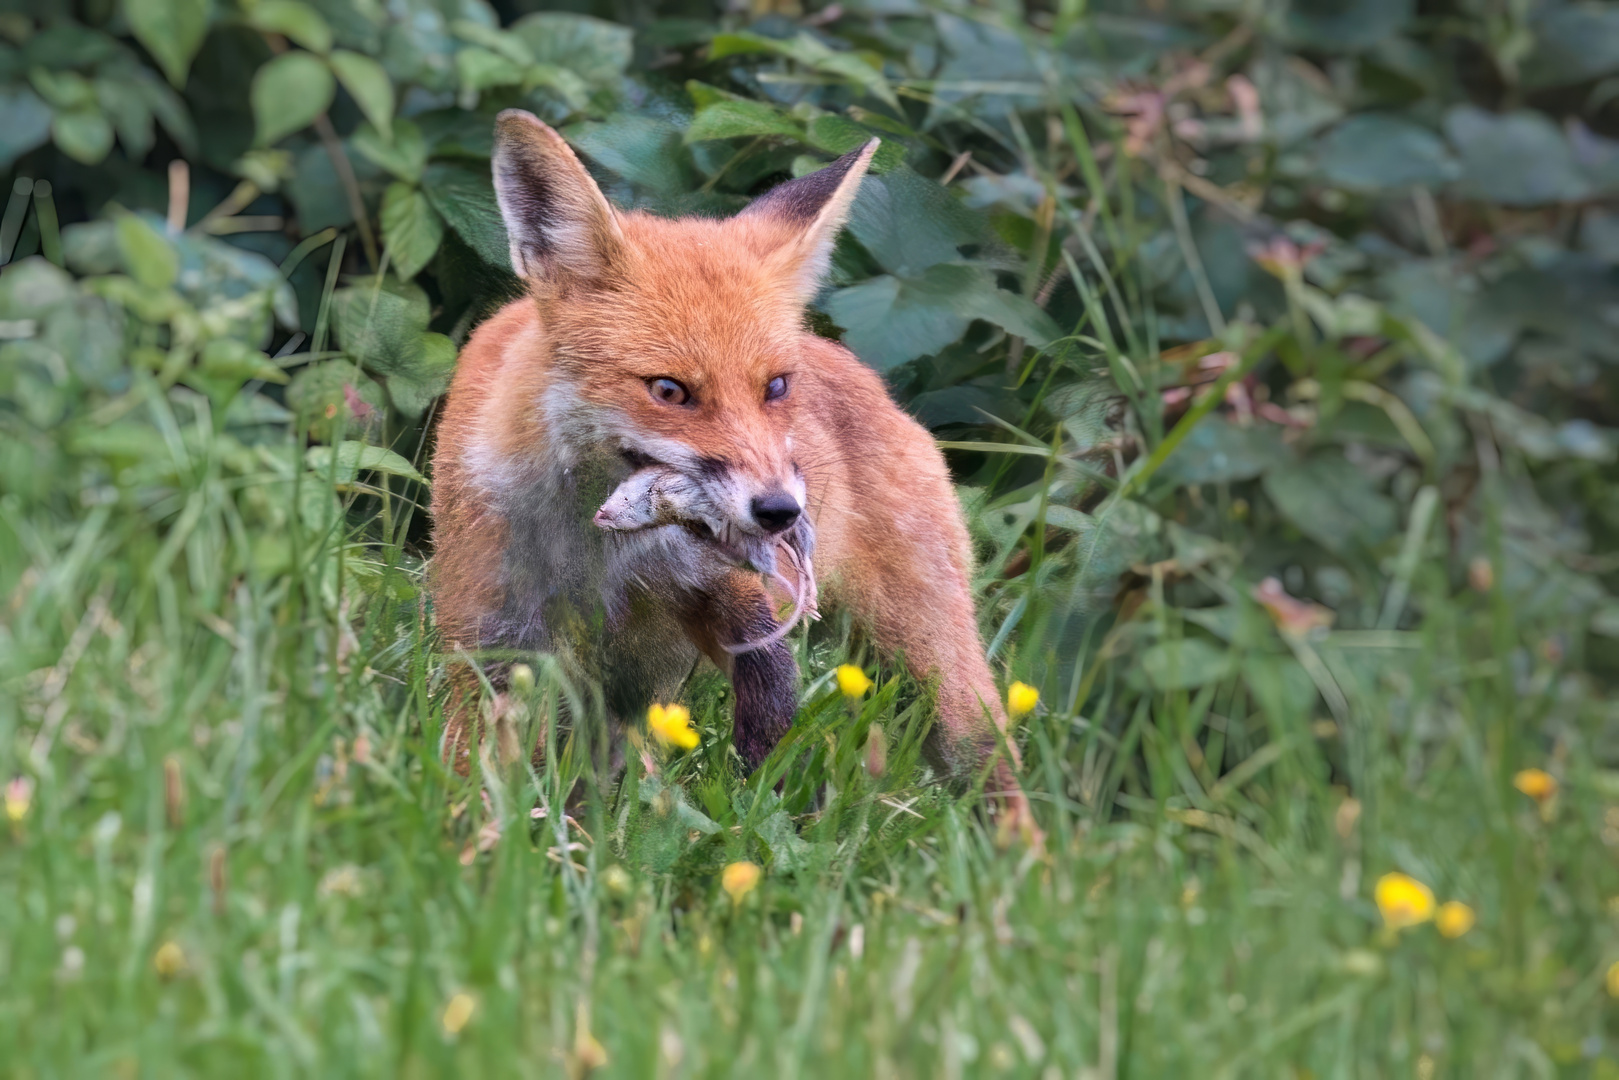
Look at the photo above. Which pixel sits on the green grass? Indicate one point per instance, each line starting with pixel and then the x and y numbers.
pixel 194 723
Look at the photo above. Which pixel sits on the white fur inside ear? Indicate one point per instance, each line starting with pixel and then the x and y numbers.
pixel 814 263
pixel 816 214
pixel 557 220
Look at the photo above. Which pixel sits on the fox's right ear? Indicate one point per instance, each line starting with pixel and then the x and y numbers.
pixel 560 225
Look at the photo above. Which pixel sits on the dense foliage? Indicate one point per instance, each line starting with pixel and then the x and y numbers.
pixel 1274 346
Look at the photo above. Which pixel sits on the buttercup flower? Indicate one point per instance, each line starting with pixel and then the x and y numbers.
pixel 739 879
pixel 852 681
pixel 19 796
pixel 457 1013
pixel 169 960
pixel 1454 918
pixel 1021 699
pixel 1404 901
pixel 1538 784
pixel 671 726
pixel 1613 979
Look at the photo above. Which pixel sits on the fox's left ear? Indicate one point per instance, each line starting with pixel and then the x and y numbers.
pixel 810 211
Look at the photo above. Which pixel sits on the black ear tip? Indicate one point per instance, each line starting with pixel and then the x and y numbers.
pixel 856 158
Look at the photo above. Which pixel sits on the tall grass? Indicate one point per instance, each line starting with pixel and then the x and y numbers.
pixel 245 764
pixel 233 847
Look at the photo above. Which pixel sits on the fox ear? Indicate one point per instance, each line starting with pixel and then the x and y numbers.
pixel 812 209
pixel 559 223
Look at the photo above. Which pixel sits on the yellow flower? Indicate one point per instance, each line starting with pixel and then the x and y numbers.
pixel 1454 919
pixel 1613 979
pixel 1538 784
pixel 457 1013
pixel 1404 901
pixel 169 960
pixel 852 681
pixel 1021 699
pixel 19 796
pixel 671 726
pixel 739 879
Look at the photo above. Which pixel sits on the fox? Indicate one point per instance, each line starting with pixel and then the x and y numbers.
pixel 682 346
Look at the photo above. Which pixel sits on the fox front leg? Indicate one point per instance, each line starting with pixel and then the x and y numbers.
pixel 765 679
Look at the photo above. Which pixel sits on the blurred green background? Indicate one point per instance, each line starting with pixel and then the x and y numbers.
pixel 1274 346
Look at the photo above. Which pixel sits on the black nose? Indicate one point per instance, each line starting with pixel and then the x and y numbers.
pixel 776 511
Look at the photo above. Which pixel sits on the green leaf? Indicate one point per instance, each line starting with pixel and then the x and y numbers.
pixel 64 89
pixel 1573 43
pixel 404 157
pixel 428 377
pixel 1219 452
pixel 171 30
pixel 987 69
pixel 411 228
pixel 889 320
pixel 1293 98
pixel 480 69
pixel 1517 159
pixel 703 95
pixel 568 86
pixel 909 223
pixel 85 135
pixel 129 112
pixel 510 46
pixel 598 52
pixel 336 393
pixel 368 84
pixel 1186 663
pixel 788 850
pixel 353 458
pixel 810 51
pixel 732 119
pixel 293 19
pixel 169 110
pixel 1346 25
pixel 465 198
pixel 236 361
pixel 28 123
pixel 838 135
pixel 1382 152
pixel 381 326
pixel 288 94
pixel 1332 502
pixel 147 255
pixel 645 150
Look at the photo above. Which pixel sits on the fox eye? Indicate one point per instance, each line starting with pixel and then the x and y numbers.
pixel 776 388
pixel 668 391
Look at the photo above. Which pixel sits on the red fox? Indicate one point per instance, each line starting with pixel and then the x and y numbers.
pixel 681 344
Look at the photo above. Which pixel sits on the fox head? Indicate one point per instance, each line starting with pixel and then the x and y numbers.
pixel 673 342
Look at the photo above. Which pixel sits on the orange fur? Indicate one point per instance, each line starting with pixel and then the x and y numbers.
pixel 554 387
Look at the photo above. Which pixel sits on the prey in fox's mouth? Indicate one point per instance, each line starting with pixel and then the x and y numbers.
pixel 659 496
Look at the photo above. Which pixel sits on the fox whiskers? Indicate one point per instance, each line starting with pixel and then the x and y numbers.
pixel 804 596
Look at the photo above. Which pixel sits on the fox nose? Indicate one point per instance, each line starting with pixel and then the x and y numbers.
pixel 776 511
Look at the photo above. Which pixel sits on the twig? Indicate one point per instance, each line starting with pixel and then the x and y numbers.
pixel 955 167
pixel 351 185
pixel 234 203
pixel 245 223
pixel 179 195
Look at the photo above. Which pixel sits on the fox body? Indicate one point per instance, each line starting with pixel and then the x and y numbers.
pixel 670 356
